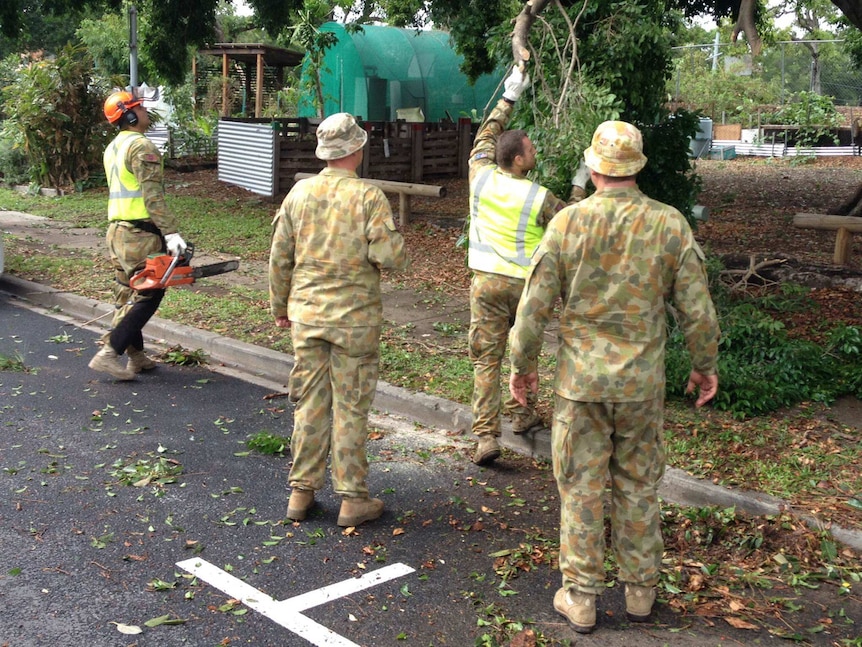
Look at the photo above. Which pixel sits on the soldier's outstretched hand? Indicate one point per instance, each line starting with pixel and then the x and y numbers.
pixel 707 385
pixel 515 84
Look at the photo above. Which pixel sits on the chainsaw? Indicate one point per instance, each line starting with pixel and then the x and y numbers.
pixel 164 271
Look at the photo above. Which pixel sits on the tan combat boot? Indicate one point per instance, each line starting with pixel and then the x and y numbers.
pixel 107 361
pixel 138 360
pixel 300 502
pixel 530 422
pixel 578 608
pixel 639 601
pixel 487 450
pixel 357 510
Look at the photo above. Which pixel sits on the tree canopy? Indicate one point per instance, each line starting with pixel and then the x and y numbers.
pixel 174 25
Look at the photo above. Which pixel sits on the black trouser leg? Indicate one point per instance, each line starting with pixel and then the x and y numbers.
pixel 129 331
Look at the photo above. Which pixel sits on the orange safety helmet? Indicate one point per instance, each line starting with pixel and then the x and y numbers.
pixel 119 103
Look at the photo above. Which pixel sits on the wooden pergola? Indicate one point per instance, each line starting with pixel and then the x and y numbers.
pixel 248 55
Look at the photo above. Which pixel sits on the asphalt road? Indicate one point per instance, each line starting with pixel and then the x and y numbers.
pixel 94 545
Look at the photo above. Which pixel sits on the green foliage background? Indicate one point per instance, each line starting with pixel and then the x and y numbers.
pixel 761 367
pixel 624 63
pixel 53 114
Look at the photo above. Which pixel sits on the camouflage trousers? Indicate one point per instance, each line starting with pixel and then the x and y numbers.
pixel 623 441
pixel 493 304
pixel 128 247
pixel 333 384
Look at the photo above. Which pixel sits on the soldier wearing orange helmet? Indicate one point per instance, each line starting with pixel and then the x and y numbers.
pixel 139 225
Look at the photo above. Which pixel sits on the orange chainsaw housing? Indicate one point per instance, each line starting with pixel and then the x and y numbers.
pixel 152 277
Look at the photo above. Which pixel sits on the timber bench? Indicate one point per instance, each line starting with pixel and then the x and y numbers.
pixel 844 226
pixel 403 189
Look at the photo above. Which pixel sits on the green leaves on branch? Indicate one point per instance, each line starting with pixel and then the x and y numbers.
pixel 560 143
pixel 763 369
pixel 668 175
pixel 54 115
pixel 606 60
pixel 815 115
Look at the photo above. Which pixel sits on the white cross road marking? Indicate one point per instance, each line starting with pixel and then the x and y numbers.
pixel 287 613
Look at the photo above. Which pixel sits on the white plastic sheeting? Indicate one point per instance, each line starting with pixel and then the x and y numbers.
pixel 779 149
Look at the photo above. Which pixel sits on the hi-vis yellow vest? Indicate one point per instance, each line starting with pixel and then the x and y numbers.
pixel 125 198
pixel 503 223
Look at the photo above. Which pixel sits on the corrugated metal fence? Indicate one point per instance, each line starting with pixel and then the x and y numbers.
pixel 263 156
pixel 780 149
pixel 248 155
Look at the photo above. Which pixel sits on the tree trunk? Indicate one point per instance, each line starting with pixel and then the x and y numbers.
pixel 852 207
pixel 816 69
pixel 745 24
pixel 852 9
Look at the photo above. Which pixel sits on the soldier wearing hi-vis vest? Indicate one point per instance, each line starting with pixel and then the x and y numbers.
pixel 508 215
pixel 139 225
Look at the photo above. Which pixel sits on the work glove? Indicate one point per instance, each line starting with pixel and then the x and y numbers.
pixel 175 244
pixel 581 176
pixel 515 84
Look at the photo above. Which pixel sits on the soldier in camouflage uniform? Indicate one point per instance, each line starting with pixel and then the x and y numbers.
pixel 508 214
pixel 331 237
pixel 139 225
pixel 616 258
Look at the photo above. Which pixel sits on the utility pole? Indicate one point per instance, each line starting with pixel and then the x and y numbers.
pixel 133 47
pixel 715 53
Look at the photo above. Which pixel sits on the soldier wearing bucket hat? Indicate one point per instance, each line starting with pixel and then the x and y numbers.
pixel 616 150
pixel 339 136
pixel 331 237
pixel 618 258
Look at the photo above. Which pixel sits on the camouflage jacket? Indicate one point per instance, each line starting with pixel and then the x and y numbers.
pixel 616 258
pixel 145 162
pixel 330 238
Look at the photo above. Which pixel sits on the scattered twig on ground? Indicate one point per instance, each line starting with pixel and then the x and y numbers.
pixel 747 275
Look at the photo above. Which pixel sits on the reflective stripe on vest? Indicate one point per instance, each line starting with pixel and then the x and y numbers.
pixel 503 223
pixel 125 198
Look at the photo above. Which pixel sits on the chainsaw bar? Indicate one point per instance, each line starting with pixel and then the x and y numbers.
pixel 202 271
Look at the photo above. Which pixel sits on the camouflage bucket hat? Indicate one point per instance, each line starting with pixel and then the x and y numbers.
pixel 338 136
pixel 616 150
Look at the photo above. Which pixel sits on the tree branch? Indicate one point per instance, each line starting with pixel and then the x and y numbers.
pixel 521 32
pixel 852 9
pixel 745 23
pixel 741 280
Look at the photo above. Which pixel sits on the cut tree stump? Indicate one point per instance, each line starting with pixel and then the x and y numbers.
pixel 843 226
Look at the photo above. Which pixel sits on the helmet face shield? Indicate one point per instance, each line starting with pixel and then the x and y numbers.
pixel 145 92
pixel 118 104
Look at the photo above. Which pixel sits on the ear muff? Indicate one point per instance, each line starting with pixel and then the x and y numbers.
pixel 129 117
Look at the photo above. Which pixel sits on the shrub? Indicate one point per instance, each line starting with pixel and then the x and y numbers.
pixel 54 115
pixel 14 167
pixel 815 115
pixel 669 176
pixel 763 369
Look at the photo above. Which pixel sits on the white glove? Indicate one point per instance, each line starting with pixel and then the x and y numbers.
pixel 581 176
pixel 515 84
pixel 175 243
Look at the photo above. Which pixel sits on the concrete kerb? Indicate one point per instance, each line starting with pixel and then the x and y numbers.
pixel 253 360
pixel 676 487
